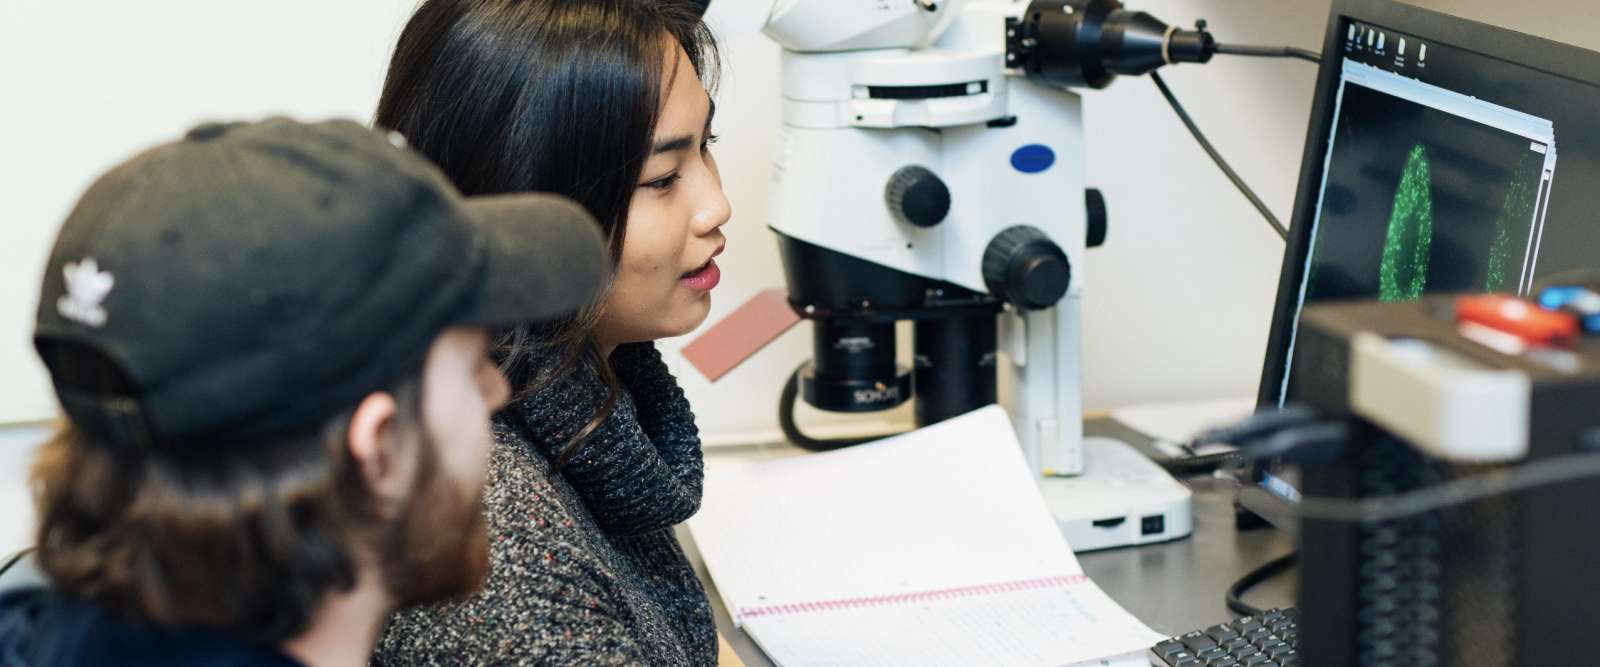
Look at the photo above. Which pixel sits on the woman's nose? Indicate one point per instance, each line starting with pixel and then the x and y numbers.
pixel 714 210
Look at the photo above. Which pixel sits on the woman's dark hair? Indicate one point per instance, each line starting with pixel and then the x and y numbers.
pixel 554 96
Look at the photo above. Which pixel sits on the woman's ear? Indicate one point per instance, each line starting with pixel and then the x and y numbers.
pixel 384 468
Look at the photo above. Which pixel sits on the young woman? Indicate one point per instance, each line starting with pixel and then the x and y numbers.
pixel 597 457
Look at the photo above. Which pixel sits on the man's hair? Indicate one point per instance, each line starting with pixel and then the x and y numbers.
pixel 244 536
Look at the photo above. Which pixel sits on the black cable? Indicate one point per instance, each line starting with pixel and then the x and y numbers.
pixel 786 403
pixel 1217 158
pixel 1254 577
pixel 1196 465
pixel 1294 434
pixel 1548 471
pixel 1267 52
pixel 11 560
pixel 1311 444
pixel 1262 424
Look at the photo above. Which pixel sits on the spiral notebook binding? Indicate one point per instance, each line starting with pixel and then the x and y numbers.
pixel 914 597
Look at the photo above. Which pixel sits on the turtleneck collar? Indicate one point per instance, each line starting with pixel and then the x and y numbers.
pixel 641 470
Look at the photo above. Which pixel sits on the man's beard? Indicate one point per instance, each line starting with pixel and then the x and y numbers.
pixel 439 548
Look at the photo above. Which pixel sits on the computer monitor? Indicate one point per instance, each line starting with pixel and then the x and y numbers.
pixel 1442 155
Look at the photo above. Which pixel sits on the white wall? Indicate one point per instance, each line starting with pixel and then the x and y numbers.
pixel 1180 298
pixel 1177 303
pixel 1576 23
pixel 88 83
pixel 17 444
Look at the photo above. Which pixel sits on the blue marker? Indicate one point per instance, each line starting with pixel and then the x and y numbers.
pixel 1575 299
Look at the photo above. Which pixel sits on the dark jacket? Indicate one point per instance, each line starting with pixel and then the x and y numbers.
pixel 585 568
pixel 42 628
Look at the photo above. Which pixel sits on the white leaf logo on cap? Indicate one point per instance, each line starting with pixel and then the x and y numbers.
pixel 87 287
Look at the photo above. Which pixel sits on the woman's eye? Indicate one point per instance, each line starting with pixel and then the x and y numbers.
pixel 664 182
pixel 706 143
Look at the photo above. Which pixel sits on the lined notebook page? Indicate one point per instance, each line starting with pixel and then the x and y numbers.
pixel 946 506
pixel 1042 626
pixel 936 539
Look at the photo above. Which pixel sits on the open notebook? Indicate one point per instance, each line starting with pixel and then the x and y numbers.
pixel 930 548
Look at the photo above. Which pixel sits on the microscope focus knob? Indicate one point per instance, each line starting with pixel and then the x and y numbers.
pixel 1024 267
pixel 1095 209
pixel 916 196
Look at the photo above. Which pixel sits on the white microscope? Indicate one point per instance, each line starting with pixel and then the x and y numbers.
pixel 930 169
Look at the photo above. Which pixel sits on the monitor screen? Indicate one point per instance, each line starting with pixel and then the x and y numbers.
pixel 1439 168
pixel 1448 171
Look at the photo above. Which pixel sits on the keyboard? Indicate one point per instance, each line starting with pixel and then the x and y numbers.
pixel 1268 639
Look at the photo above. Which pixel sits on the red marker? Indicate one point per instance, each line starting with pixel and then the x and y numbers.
pixel 1525 320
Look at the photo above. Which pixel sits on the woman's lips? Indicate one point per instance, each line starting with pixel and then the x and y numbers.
pixel 704 278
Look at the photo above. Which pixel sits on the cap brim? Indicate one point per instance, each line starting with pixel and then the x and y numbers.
pixel 546 258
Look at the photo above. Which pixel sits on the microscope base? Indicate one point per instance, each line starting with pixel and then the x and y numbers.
pixel 1121 499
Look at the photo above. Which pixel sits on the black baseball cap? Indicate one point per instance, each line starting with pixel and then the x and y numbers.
pixel 253 278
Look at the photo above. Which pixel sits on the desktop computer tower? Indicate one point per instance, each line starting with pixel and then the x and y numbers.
pixel 1507 579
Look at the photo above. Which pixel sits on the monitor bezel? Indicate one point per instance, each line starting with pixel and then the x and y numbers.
pixel 1563 60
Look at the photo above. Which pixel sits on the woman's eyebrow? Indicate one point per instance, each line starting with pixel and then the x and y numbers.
pixel 672 144
pixel 682 141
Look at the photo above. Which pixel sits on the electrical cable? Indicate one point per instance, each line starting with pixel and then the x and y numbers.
pixel 1317 442
pixel 11 560
pixel 786 404
pixel 1263 424
pixel 1294 433
pixel 1544 472
pixel 1289 434
pixel 1196 465
pixel 1217 158
pixel 1267 52
pixel 1251 579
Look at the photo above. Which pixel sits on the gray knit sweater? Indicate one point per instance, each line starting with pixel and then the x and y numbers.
pixel 584 566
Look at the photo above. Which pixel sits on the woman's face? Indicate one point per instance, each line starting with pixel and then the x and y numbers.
pixel 664 279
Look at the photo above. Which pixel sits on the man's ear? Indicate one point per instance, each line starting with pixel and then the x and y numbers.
pixel 383 466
